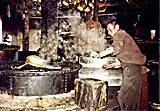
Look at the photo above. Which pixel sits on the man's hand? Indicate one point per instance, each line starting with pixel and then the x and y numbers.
pixel 94 54
pixel 106 52
pixel 105 66
pixel 113 65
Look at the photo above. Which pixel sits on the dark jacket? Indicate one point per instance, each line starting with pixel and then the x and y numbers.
pixel 126 50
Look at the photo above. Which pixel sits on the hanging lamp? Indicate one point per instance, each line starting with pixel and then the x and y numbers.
pixel 89 7
pixel 91 4
pixel 65 3
pixel 75 2
pixel 82 5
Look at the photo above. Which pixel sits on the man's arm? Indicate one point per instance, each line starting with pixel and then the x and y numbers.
pixel 106 52
pixel 118 42
pixel 117 47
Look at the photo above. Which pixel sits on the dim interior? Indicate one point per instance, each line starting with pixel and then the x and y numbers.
pixel 46 53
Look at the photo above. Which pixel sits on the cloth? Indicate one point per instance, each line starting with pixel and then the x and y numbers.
pixel 129 92
pixel 143 98
pixel 126 50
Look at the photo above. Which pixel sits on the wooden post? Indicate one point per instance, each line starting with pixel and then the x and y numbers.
pixel 91 94
pixel 26 33
pixel 1 30
pixel 95 14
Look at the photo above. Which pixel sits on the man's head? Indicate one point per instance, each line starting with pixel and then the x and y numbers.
pixel 111 26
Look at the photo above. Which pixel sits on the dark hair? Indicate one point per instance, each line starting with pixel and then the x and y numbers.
pixel 110 20
pixel 113 22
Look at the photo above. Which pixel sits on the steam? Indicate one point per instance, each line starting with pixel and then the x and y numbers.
pixel 80 41
pixel 87 40
pixel 49 45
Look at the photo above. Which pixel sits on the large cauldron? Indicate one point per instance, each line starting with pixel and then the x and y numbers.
pixel 92 68
pixel 31 81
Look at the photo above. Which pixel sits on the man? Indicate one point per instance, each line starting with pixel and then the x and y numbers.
pixel 131 59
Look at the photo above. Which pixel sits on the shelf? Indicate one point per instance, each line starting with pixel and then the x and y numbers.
pixel 103 14
pixel 35 17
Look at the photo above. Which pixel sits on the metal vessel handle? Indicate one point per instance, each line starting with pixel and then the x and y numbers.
pixel 19 67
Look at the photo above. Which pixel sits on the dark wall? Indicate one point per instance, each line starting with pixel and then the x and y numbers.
pixel 127 15
pixel 3 6
pixel 149 17
pixel 149 14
